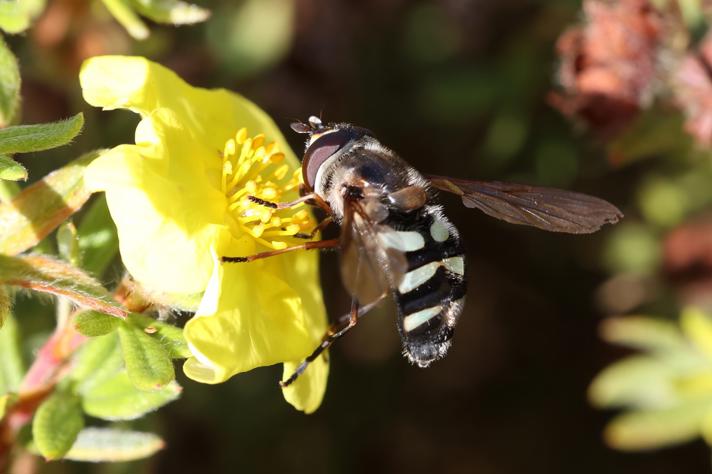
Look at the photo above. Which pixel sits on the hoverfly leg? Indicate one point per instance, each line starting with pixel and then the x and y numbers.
pixel 306 198
pixel 319 244
pixel 330 337
pixel 334 332
pixel 321 226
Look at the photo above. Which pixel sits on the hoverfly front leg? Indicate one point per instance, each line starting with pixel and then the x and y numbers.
pixel 315 198
pixel 320 244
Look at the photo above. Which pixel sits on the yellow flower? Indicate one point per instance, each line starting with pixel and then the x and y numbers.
pixel 178 197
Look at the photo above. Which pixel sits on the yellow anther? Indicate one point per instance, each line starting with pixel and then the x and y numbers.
pixel 257 230
pixel 265 214
pixel 229 148
pixel 281 172
pixel 251 166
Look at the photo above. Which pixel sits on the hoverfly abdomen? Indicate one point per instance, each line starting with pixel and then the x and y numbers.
pixel 430 294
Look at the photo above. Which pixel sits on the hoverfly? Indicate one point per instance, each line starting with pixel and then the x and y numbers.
pixel 395 239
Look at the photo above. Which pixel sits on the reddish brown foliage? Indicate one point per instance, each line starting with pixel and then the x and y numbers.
pixel 693 91
pixel 608 63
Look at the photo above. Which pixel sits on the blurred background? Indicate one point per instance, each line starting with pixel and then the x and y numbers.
pixel 466 88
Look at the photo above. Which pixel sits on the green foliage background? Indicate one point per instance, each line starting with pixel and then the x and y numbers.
pixel 457 88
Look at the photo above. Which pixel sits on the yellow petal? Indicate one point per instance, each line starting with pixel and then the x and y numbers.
pixel 251 317
pixel 209 116
pixel 165 229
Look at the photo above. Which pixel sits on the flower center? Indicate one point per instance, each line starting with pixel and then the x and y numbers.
pixel 253 168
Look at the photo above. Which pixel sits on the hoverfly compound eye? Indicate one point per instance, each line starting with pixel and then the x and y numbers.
pixel 321 149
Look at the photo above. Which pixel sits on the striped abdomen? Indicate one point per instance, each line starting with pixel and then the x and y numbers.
pixel 431 294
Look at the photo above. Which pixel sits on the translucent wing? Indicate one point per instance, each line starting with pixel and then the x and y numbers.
pixel 550 209
pixel 368 268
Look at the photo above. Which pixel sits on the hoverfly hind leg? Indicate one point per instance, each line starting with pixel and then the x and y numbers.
pixel 331 335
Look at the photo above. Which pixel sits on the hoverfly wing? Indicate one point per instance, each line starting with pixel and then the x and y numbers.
pixel 368 270
pixel 551 209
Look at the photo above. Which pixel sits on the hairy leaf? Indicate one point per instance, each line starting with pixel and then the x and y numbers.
pixel 170 337
pixel 98 240
pixel 93 323
pixel 98 360
pixel 9 85
pixel 38 137
pixel 147 362
pixel 68 243
pixel 57 423
pixel 46 274
pixel 36 211
pixel 11 170
pixel 11 366
pixel 118 399
pixel 113 445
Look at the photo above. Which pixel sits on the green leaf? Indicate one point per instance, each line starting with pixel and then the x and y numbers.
pixel 6 402
pixel 642 381
pixel 697 326
pixel 653 133
pixel 13 18
pixel 252 35
pixel 8 190
pixel 170 337
pixel 93 323
pixel 5 305
pixel 11 169
pixel 98 240
pixel 654 429
pixel 640 332
pixel 46 274
pixel 118 399
pixel 68 243
pixel 113 445
pixel 57 423
pixel 43 136
pixel 11 365
pixel 173 12
pixel 16 15
pixel 36 211
pixel 124 14
pixel 9 85
pixel 98 360
pixel 147 362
